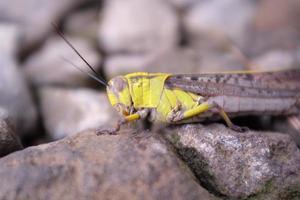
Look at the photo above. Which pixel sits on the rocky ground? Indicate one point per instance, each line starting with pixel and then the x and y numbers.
pixel 49 111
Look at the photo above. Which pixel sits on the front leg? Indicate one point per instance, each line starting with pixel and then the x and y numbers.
pixel 141 114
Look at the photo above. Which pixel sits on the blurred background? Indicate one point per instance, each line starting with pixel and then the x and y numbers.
pixel 46 99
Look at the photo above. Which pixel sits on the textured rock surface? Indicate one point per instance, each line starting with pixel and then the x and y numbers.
pixel 240 165
pixel 69 111
pixel 49 67
pixel 15 95
pixel 94 167
pixel 137 26
pixel 9 141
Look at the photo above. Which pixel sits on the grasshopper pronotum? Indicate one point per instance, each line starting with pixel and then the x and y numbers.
pixel 183 98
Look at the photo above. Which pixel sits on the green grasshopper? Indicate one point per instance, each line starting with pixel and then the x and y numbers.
pixel 182 98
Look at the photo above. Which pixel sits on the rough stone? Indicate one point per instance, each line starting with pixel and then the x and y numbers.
pixel 87 166
pixel 137 26
pixel 9 141
pixel 261 165
pixel 15 95
pixel 69 111
pixel 49 65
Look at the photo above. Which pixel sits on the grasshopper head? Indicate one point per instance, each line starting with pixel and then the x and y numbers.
pixel 119 95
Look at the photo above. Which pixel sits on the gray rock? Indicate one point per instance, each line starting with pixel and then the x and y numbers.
pixel 9 36
pixel 216 17
pixel 221 61
pixel 289 125
pixel 178 60
pixel 88 18
pixel 260 165
pixel 34 17
pixel 274 27
pixel 69 111
pixel 193 61
pixel 137 26
pixel 87 166
pixel 115 65
pixel 9 141
pixel 15 95
pixel 183 4
pixel 48 66
pixel 275 60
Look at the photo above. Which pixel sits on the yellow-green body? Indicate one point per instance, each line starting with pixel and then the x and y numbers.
pixel 140 91
pixel 141 94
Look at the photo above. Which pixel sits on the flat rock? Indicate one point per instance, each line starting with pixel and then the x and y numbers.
pixel 87 166
pixel 49 65
pixel 9 141
pixel 69 111
pixel 261 165
pixel 15 95
pixel 137 26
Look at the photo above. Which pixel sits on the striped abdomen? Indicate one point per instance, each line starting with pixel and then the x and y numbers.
pixel 246 93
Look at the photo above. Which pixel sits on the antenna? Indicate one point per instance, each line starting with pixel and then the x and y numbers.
pixel 96 75
pixel 88 73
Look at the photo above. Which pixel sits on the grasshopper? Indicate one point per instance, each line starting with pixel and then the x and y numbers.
pixel 183 98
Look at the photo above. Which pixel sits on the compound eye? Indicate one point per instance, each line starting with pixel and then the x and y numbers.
pixel 118 107
pixel 119 84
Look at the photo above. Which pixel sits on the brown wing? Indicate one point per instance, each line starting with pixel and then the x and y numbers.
pixel 264 84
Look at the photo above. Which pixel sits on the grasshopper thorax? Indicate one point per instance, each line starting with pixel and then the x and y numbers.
pixel 119 95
